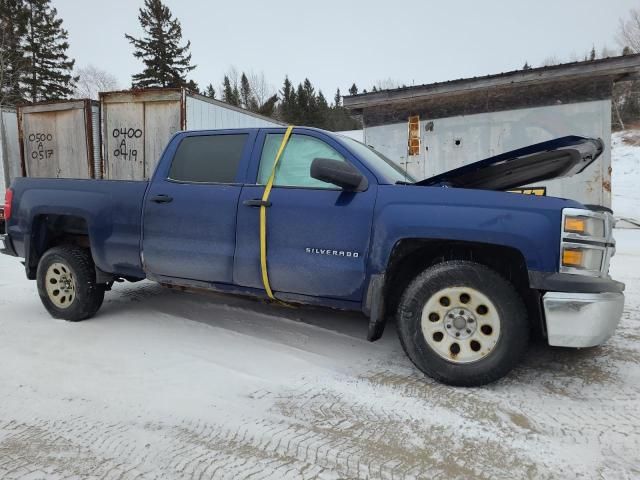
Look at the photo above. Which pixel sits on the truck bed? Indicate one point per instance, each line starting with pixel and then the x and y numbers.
pixel 111 210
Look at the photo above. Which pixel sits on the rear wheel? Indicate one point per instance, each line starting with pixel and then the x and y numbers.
pixel 67 283
pixel 462 324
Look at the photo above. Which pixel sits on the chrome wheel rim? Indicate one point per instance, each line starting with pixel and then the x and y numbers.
pixel 461 324
pixel 61 285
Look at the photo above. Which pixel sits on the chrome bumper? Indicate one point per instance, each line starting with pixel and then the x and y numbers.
pixel 581 319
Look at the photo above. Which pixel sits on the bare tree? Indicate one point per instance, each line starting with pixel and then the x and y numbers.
pixel 629 31
pixel 387 84
pixel 607 52
pixel 261 89
pixel 93 80
pixel 550 61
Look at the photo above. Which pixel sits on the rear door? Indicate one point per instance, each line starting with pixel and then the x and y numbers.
pixel 317 234
pixel 189 224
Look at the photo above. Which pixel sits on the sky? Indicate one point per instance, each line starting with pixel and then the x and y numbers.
pixel 336 43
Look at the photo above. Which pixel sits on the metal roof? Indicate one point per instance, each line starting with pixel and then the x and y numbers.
pixel 625 67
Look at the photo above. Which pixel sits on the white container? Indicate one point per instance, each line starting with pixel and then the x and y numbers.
pixel 138 124
pixel 10 167
pixel 59 139
pixel 451 142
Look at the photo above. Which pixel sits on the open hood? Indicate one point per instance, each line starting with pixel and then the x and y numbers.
pixel 562 157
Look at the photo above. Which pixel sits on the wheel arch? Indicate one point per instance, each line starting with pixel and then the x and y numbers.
pixel 50 230
pixel 411 256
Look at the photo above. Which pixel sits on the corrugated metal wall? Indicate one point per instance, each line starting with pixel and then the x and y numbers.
pixel 207 114
pixel 9 150
pixel 56 140
pixel 448 143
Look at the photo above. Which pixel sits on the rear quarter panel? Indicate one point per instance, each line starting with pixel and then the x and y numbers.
pixel 111 209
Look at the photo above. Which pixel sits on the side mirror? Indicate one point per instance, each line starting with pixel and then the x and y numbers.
pixel 339 173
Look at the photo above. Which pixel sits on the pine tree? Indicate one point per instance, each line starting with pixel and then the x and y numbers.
pixel 230 94
pixel 526 66
pixel 288 107
pixel 48 74
pixel 337 99
pixel 166 63
pixel 353 90
pixel 13 63
pixel 592 54
pixel 210 91
pixel 247 99
pixel 268 107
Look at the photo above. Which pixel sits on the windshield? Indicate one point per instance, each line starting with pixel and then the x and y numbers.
pixel 392 173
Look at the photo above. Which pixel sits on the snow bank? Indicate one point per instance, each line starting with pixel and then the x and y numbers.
pixel 625 174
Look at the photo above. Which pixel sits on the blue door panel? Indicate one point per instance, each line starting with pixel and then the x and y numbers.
pixel 317 241
pixel 194 235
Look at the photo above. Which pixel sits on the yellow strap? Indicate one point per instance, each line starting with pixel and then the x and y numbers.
pixel 263 215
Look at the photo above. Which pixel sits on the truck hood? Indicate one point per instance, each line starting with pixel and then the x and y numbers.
pixel 562 157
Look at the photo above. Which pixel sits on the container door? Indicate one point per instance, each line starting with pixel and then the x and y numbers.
pixel 162 120
pixel 55 143
pixel 189 224
pixel 317 235
pixel 124 141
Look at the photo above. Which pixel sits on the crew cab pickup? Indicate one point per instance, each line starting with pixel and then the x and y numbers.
pixel 468 269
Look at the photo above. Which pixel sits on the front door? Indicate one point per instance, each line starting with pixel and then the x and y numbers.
pixel 317 235
pixel 190 209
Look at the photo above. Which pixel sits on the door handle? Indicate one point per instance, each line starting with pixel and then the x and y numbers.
pixel 256 202
pixel 162 199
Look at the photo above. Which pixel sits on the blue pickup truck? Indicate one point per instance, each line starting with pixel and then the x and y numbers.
pixel 468 270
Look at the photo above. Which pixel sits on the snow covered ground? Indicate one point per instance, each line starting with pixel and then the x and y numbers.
pixel 164 384
pixel 625 174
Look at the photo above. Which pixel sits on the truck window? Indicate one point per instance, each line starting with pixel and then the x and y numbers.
pixel 208 158
pixel 295 165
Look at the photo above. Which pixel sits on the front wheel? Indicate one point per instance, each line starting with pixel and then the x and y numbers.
pixel 67 285
pixel 463 324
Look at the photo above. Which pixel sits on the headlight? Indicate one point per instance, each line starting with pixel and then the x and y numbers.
pixel 587 243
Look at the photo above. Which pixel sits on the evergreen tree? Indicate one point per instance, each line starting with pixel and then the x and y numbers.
pixel 193 86
pixel 268 107
pixel 592 54
pixel 353 90
pixel 48 73
pixel 337 99
pixel 526 66
pixel 247 99
pixel 166 63
pixel 210 91
pixel 288 106
pixel 230 94
pixel 13 63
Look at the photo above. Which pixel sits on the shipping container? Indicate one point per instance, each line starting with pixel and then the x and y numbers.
pixel 10 166
pixel 451 142
pixel 61 139
pixel 137 125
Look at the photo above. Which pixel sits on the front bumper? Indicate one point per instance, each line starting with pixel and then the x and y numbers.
pixel 581 319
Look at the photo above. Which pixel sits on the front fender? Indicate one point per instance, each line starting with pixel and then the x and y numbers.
pixel 528 224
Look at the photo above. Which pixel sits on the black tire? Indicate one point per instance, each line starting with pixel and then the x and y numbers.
pixel 87 296
pixel 511 343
